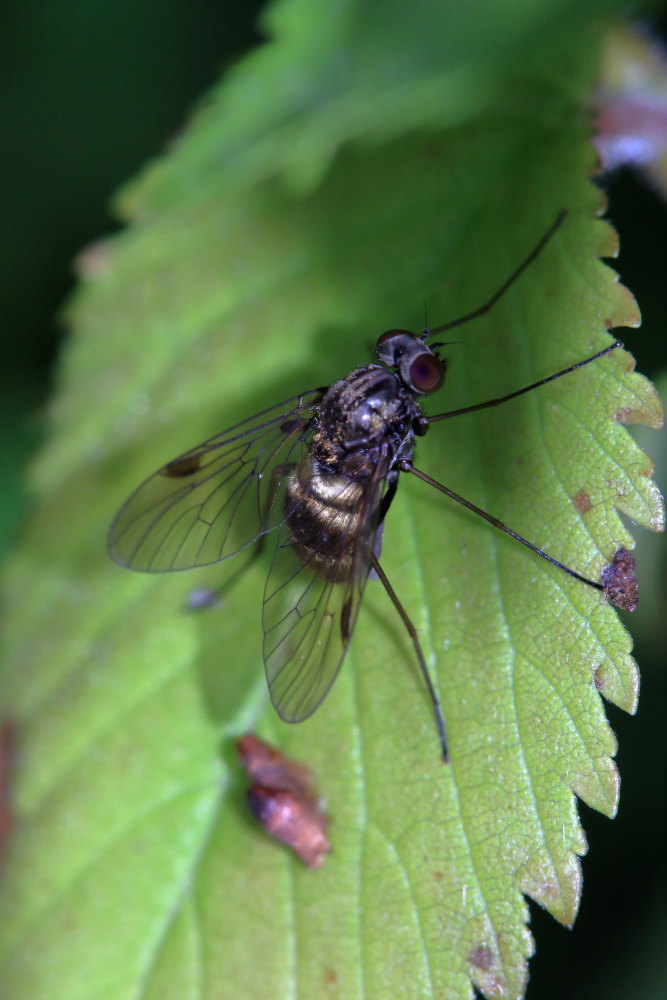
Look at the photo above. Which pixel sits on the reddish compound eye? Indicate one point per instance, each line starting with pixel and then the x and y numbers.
pixel 427 373
pixel 390 334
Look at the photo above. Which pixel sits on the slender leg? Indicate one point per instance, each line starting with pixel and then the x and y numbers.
pixel 412 632
pixel 526 388
pixel 407 467
pixel 388 498
pixel 481 310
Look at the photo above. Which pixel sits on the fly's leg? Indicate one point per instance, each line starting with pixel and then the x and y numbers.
pixel 526 388
pixel 408 467
pixel 412 632
pixel 387 499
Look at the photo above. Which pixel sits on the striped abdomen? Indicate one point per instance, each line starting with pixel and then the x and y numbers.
pixel 325 518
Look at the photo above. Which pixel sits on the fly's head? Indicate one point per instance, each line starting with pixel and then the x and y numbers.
pixel 417 364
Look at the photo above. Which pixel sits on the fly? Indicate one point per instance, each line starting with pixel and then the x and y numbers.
pixel 318 472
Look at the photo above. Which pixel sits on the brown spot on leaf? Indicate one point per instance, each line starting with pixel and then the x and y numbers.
pixel 582 501
pixel 624 415
pixel 634 415
pixel 619 580
pixel 598 679
pixel 330 976
pixel 481 957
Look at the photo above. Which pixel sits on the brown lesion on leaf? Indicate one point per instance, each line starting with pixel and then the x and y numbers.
pixel 582 501
pixel 598 679
pixel 481 957
pixel 619 581
pixel 330 976
pixel 636 415
pixel 624 415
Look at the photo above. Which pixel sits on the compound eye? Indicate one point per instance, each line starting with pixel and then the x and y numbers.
pixel 390 334
pixel 427 373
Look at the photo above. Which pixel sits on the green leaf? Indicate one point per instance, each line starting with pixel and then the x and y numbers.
pixel 362 164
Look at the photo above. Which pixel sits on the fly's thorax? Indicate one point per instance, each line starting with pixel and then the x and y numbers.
pixel 368 409
pixel 323 512
pixel 363 419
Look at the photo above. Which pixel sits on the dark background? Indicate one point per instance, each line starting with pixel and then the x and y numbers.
pixel 89 92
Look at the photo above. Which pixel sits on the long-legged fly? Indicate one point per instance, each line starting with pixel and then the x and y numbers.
pixel 319 471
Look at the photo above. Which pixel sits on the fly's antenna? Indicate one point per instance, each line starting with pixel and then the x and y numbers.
pixel 448 343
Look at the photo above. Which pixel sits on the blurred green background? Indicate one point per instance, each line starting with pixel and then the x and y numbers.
pixel 88 93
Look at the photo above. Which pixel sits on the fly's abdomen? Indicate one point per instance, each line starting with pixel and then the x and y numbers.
pixel 324 517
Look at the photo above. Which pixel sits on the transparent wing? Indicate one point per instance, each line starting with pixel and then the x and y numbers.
pixel 215 499
pixel 311 601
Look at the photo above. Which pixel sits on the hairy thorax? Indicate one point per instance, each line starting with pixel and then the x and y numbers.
pixel 363 420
